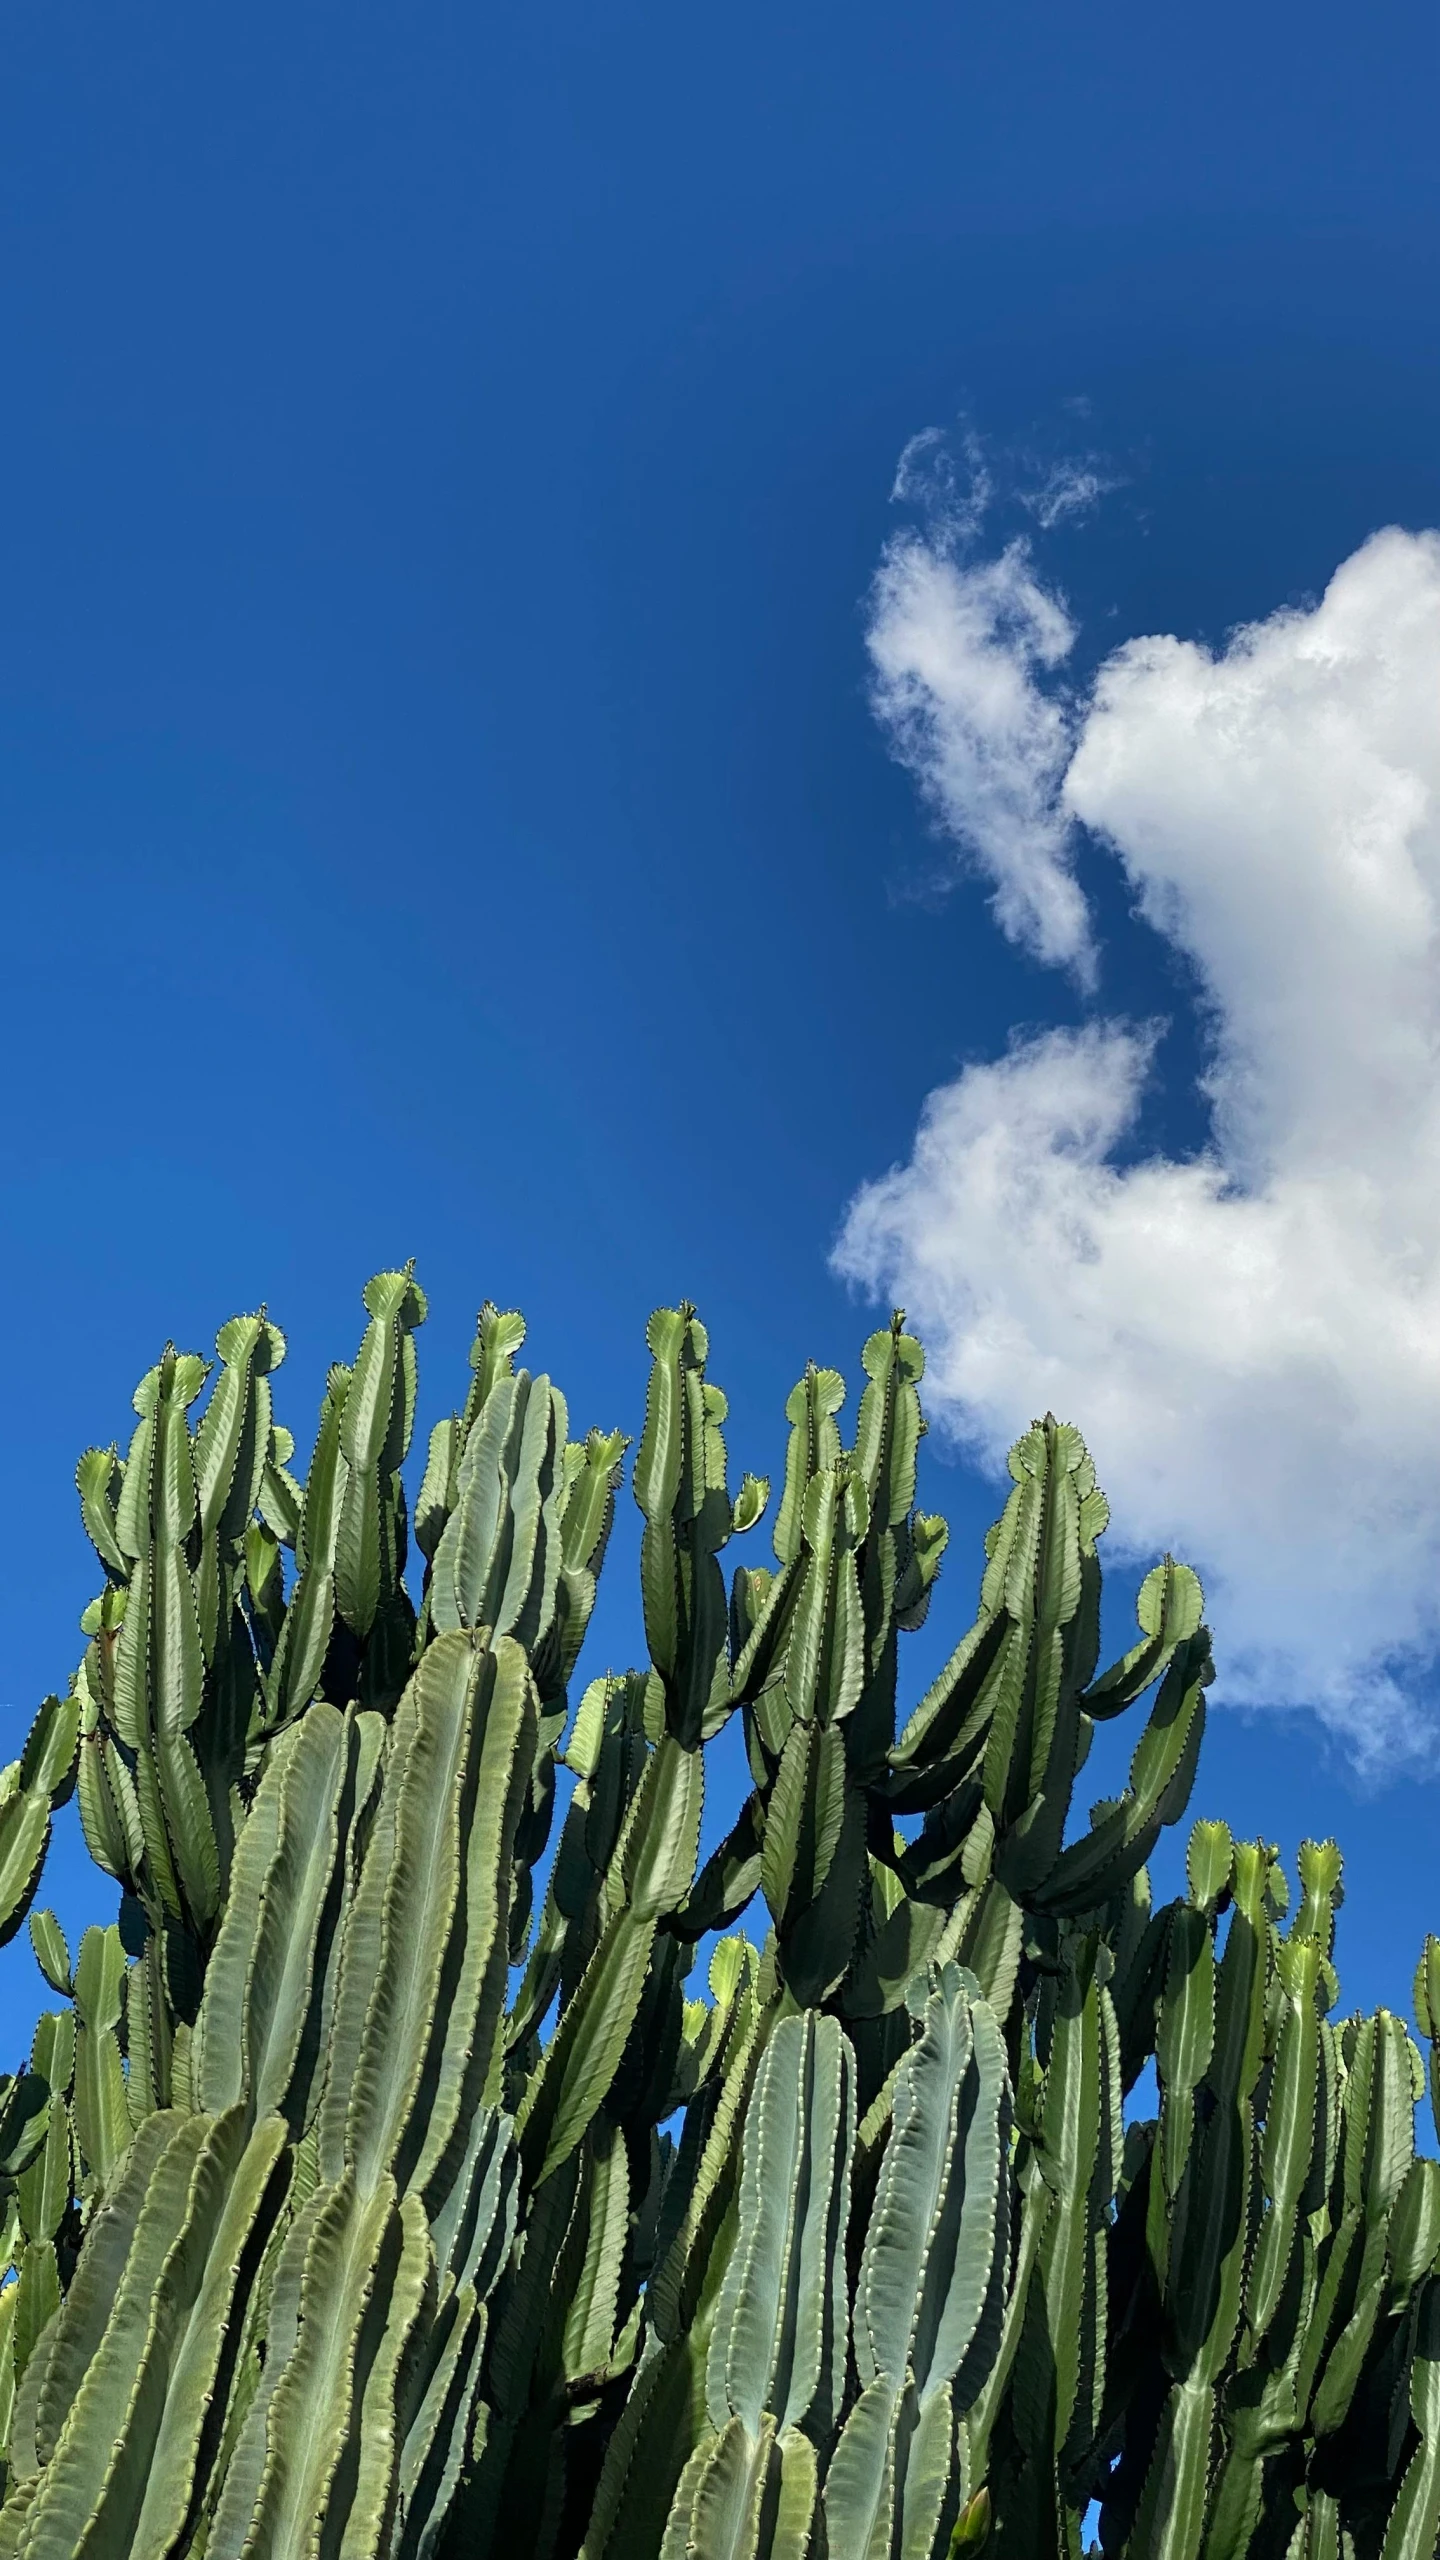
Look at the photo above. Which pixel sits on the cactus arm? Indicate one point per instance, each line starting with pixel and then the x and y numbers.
pixel 859 2494
pixel 889 1426
pixel 472 1542
pixel 1321 1867
pixel 904 1942
pixel 37 2305
pixel 589 1509
pixel 259 1982
pixel 422 1872
pixel 1413 2235
pixel 499 1333
pixel 814 1442
pixel 1427 2015
pixel 337 2246
pixel 536 1502
pixel 438 1489
pixel 371 2510
pixel 51 1952
pixel 43 2188
pixel 217 2053
pixel 24 1837
pixel 659 1460
pixel 762 1606
pixel 1162 1773
pixel 1209 1864
pixel 1171 2516
pixel 1037 2204
pixel 437 2438
pixel 589 2331
pixel 679 2278
pixel 803 1820
pixel 1169 1607
pixel 98 1481
pixel 1379 2140
pixel 719 2501
pixel 41 1779
pixel 375 1425
pixel 726 1883
pixel 92 2294
pixel 197 2290
pixel 281 1498
pixel 653 1868
pixel 927 2477
pixel 493 1799
pixel 947 1731
pixel 1073 2136
pixel 232 1444
pixel 1203 2296
pixel 232 2492
pixel 1185 2035
pixel 584 2054
pixel 1413 2527
pixel 92 2444
pixel 282 1980
pixel 680 1486
pixel 825 1643
pixel 1290 2129
pixel 102 2115
pixel 391 1304
pixel 646 2456
pixel 300 1658
pixel 821 1936
pixel 780 2322
pixel 926 2269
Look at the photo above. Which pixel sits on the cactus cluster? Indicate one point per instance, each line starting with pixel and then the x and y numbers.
pixel 427 2161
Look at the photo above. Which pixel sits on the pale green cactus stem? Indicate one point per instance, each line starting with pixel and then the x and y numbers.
pixel 930 2288
pixel 776 2367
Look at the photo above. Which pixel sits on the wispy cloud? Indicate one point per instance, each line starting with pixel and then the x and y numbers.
pixel 1066 489
pixel 948 479
pixel 966 646
pixel 956 652
pixel 1251 1340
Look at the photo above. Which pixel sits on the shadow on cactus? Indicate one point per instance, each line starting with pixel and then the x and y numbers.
pixel 428 2160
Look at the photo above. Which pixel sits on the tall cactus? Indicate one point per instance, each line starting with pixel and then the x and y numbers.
pixel 389 2182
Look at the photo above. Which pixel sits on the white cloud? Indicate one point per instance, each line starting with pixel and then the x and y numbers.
pixel 955 651
pixel 1068 489
pixel 1251 1341
pixel 949 478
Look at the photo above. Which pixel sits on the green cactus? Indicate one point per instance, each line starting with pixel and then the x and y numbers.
pixel 389 2183
pixel 30 1789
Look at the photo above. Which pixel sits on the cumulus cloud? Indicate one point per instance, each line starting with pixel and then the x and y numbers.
pixel 1251 1339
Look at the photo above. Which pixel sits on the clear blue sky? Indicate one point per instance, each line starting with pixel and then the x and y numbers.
pixel 444 456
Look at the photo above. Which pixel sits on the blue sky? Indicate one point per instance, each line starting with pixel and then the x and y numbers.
pixel 447 462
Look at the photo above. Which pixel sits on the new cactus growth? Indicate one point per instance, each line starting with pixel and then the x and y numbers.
pixel 427 2162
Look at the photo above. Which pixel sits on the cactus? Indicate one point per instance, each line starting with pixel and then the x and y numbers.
pixel 30 1789
pixel 389 2182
